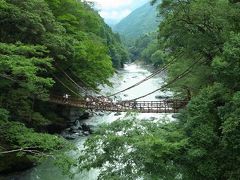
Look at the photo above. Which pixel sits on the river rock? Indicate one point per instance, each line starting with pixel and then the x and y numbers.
pixel 108 113
pixel 176 115
pixel 84 116
pixel 73 128
pixel 81 133
pixel 91 126
pixel 77 123
pixel 118 114
pixel 86 128
pixel 86 133
pixel 70 137
pixel 76 131
pixel 152 118
pixel 100 114
pixel 161 97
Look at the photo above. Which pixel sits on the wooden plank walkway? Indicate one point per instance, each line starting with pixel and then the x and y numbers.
pixel 163 106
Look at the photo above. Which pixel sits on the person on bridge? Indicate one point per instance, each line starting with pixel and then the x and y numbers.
pixel 88 101
pixel 134 106
pixel 101 100
pixel 114 101
pixel 65 98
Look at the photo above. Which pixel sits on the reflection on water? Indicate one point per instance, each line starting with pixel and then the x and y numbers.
pixel 131 74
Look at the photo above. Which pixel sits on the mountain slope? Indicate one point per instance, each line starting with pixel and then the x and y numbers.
pixel 139 22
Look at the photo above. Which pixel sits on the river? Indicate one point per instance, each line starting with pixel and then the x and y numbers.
pixel 131 74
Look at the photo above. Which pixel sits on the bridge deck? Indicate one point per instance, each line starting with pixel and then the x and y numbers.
pixel 163 106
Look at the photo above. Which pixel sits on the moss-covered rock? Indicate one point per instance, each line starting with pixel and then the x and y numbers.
pixel 12 163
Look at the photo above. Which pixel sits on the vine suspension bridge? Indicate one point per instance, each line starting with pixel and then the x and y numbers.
pixel 164 106
pixel 105 103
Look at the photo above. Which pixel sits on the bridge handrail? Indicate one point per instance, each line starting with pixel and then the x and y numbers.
pixel 125 101
pixel 162 106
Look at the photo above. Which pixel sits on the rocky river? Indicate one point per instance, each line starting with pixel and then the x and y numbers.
pixel 80 130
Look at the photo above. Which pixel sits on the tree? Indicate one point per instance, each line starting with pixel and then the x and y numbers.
pixel 40 42
pixel 131 149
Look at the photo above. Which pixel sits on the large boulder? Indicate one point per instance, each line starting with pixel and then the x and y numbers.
pixel 100 114
pixel 86 128
pixel 163 96
pixel 118 114
pixel 84 116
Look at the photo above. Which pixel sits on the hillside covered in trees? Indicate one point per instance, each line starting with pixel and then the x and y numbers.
pixel 146 49
pixel 39 40
pixel 141 21
pixel 139 32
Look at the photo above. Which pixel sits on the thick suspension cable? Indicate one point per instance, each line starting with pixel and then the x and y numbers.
pixel 180 76
pixel 147 78
pixel 80 87
pixel 11 79
pixel 61 82
pixel 86 84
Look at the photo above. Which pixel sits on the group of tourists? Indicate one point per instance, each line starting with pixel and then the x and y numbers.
pixel 100 101
pixel 91 100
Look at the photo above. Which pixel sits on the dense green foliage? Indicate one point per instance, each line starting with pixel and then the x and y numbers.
pixel 130 149
pixel 141 21
pixel 204 142
pixel 39 39
pixel 146 49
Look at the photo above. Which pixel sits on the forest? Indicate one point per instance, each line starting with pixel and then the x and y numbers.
pixel 39 39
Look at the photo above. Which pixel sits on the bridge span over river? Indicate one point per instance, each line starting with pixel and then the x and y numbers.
pixel 162 106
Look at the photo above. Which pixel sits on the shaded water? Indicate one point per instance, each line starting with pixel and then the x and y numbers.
pixel 130 75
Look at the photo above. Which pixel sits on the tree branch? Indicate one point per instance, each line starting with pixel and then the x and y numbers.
pixel 31 150
pixel 7 77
